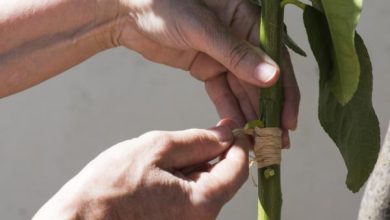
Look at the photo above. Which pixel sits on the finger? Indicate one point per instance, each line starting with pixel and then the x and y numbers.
pixel 223 98
pixel 195 146
pixel 234 13
pixel 242 97
pixel 244 19
pixel 285 139
pixel 204 67
pixel 291 94
pixel 254 37
pixel 253 93
pixel 247 62
pixel 221 183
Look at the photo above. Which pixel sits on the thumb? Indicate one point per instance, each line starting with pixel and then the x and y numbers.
pixel 223 179
pixel 195 146
pixel 244 60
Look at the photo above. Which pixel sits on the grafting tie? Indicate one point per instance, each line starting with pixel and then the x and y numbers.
pixel 268 145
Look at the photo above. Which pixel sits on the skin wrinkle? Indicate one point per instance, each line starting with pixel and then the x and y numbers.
pixel 238 54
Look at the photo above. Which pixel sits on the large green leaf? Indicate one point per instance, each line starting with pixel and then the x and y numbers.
pixel 354 127
pixel 342 17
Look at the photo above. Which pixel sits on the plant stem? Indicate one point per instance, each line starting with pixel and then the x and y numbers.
pixel 271 27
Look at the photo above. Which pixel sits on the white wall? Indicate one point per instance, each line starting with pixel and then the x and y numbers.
pixel 49 132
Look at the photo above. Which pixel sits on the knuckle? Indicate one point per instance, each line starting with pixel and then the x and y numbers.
pixel 151 135
pixel 193 135
pixel 158 139
pixel 197 74
pixel 195 131
pixel 201 136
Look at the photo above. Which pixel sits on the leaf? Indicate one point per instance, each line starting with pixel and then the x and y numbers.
pixel 290 43
pixel 342 17
pixel 354 127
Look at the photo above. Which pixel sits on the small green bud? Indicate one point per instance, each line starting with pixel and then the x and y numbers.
pixel 268 173
pixel 253 124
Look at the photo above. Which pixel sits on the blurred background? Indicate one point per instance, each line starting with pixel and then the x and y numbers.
pixel 48 133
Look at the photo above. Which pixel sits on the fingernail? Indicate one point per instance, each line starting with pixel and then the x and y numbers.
pixel 229 122
pixel 224 129
pixel 266 72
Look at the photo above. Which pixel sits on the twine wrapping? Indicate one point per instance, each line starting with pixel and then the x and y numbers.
pixel 268 145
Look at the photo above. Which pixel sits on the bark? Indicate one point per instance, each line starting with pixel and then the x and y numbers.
pixel 376 200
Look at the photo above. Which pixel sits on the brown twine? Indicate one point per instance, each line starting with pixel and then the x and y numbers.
pixel 268 145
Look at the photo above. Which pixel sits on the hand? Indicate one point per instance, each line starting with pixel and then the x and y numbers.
pixel 160 175
pixel 217 41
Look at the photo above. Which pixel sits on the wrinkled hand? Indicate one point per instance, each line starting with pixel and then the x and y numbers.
pixel 160 175
pixel 217 42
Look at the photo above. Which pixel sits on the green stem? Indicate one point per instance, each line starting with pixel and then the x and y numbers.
pixel 271 27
